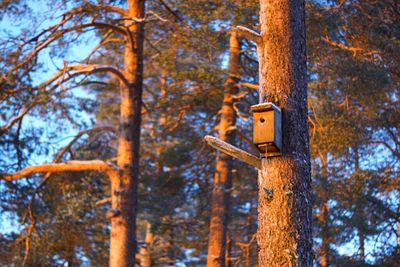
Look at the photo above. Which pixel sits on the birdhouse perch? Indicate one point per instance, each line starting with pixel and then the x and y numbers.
pixel 267 128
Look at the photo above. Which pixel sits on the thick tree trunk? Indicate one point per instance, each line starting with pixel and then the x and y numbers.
pixel 124 186
pixel 284 211
pixel 223 172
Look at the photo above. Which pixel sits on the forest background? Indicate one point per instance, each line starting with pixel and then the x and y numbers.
pixel 353 97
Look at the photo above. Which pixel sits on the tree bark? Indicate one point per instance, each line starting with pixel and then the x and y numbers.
pixel 284 209
pixel 228 249
pixel 324 216
pixel 398 231
pixel 124 186
pixel 144 253
pixel 223 173
pixel 361 241
pixel 360 210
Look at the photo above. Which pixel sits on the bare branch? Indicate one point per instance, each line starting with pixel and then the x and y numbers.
pixel 390 148
pixel 16 119
pixel 103 201
pixel 353 50
pixel 79 135
pixel 170 10
pixel 107 40
pixel 70 166
pixel 250 85
pixel 80 69
pixel 89 7
pixel 59 33
pixel 247 33
pixel 157 16
pixel 67 73
pixel 385 208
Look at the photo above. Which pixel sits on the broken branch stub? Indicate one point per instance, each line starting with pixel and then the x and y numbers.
pixel 249 34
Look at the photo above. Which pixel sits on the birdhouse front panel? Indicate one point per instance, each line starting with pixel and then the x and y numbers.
pixel 263 127
pixel 267 128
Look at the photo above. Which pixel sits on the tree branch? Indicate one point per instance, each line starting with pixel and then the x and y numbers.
pixel 103 201
pixel 247 33
pixel 65 75
pixel 250 85
pixel 354 50
pixel 58 33
pixel 92 7
pixel 380 205
pixel 79 69
pixel 170 10
pixel 79 135
pixel 16 118
pixel 70 166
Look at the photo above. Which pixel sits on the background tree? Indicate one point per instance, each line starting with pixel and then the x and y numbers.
pixel 123 176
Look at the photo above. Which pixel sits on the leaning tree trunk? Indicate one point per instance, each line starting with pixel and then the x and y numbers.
pixel 124 186
pixel 223 173
pixel 284 209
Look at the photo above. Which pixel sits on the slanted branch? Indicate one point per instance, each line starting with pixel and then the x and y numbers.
pixel 70 166
pixel 249 34
pixel 250 85
pixel 233 151
pixel 79 69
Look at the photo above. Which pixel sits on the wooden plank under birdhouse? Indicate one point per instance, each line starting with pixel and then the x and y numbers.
pixel 233 151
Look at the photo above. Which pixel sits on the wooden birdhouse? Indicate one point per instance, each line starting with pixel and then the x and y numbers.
pixel 267 128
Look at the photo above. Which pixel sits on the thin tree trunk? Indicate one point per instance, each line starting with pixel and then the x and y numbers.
pixel 228 249
pixel 398 231
pixel 361 241
pixel 398 238
pixel 124 186
pixel 284 209
pixel 144 253
pixel 169 249
pixel 324 216
pixel 360 211
pixel 223 172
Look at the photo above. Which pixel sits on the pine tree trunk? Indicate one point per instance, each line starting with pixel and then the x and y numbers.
pixel 144 253
pixel 361 241
pixel 398 234
pixel 324 253
pixel 169 248
pixel 324 216
pixel 284 211
pixel 228 249
pixel 223 172
pixel 124 186
pixel 359 211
